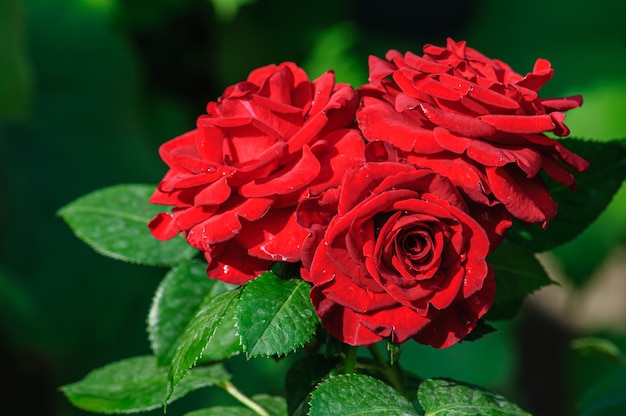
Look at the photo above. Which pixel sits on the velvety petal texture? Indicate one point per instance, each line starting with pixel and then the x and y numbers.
pixel 390 197
pixel 474 120
pixel 401 259
pixel 235 181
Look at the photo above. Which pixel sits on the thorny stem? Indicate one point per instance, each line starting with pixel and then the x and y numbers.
pixel 393 372
pixel 237 394
pixel 350 360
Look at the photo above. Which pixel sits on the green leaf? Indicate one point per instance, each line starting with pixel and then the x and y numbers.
pixel 599 346
pixel 302 377
pixel 275 405
pixel 480 330
pixel 518 273
pixel 136 385
pixel 356 394
pixel 175 302
pixel 275 316
pixel 113 221
pixel 606 397
pixel 223 411
pixel 225 342
pixel 577 209
pixel 444 397
pixel 200 331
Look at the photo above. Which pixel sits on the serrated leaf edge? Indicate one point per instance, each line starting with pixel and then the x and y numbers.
pixel 469 405
pixel 172 385
pixel 64 389
pixel 71 207
pixel 158 294
pixel 338 376
pixel 278 353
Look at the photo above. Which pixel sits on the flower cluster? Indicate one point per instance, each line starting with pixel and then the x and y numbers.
pixel 390 196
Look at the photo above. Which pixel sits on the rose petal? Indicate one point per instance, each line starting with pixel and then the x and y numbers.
pixel 398 324
pixel 379 68
pixel 346 293
pixel 495 220
pixel 520 124
pixel 291 177
pixel 336 152
pixel 557 172
pixel 457 123
pixel 276 236
pixel 229 263
pixel 461 171
pixel 323 88
pixel 214 194
pixel 449 289
pixel 439 88
pixel 340 322
pixel 187 218
pixel 562 104
pixel 451 325
pixel 163 226
pixel 527 199
pixel 573 160
pixel 424 65
pixel 225 224
pixel 478 150
pixel 379 121
pixel 542 73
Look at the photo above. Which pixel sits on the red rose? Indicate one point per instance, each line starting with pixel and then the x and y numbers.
pixel 403 258
pixel 235 181
pixel 474 120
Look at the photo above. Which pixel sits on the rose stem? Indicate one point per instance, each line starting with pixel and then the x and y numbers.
pixel 392 372
pixel 237 394
pixel 350 359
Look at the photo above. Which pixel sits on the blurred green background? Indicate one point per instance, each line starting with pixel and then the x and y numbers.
pixel 90 88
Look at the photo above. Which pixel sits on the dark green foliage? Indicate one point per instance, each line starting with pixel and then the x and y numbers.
pixel 275 316
pixel 595 189
pixel 355 394
pixel 89 89
pixel 518 273
pixel 450 398
pixel 135 385
pixel 113 221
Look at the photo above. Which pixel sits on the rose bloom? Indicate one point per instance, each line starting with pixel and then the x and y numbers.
pixel 234 182
pixel 402 258
pixel 474 120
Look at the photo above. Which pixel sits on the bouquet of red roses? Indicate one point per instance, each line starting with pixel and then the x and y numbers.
pixel 333 218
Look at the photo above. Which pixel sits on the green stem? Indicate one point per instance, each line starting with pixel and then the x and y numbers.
pixel 392 372
pixel 378 356
pixel 350 360
pixel 242 398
